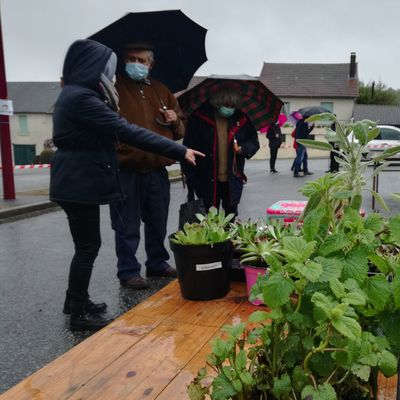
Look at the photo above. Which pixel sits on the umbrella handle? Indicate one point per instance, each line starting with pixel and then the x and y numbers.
pixel 162 123
pixel 234 165
pixel 165 108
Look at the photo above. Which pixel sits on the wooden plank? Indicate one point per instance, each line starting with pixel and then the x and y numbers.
pixel 177 388
pixel 161 304
pixel 62 377
pixel 204 313
pixel 237 292
pixel 242 313
pixel 144 370
pixel 387 388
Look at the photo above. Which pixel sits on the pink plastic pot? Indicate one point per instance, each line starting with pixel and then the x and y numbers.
pixel 251 278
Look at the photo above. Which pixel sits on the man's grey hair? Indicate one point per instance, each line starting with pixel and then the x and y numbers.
pixel 150 54
pixel 140 47
pixel 226 96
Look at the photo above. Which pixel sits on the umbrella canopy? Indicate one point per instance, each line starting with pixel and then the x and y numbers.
pixel 178 43
pixel 312 110
pixel 294 117
pixel 281 120
pixel 258 102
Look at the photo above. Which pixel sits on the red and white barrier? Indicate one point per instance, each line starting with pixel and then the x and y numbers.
pixel 380 146
pixel 31 166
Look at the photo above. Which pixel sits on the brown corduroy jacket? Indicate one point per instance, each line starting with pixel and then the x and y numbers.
pixel 140 103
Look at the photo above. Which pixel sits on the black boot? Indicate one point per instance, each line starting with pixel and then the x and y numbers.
pixel 88 322
pixel 90 307
pixel 82 320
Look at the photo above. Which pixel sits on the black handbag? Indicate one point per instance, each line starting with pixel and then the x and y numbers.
pixel 188 210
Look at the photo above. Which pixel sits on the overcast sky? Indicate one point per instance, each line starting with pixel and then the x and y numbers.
pixel 241 34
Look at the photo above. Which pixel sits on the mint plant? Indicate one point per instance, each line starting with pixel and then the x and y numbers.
pixel 332 324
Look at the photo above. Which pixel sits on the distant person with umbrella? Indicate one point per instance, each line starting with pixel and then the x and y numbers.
pixel 274 135
pixel 144 179
pixel 84 173
pixel 333 164
pixel 227 136
pixel 303 130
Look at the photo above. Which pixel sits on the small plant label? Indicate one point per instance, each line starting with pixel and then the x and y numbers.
pixel 207 267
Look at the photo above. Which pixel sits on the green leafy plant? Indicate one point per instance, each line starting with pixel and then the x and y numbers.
pixel 211 228
pixel 332 325
pixel 244 232
pixel 257 241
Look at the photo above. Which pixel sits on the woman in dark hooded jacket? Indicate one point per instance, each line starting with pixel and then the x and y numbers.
pixel 84 173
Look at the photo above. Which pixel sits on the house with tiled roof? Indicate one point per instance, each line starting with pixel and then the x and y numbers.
pixel 32 122
pixel 384 115
pixel 333 86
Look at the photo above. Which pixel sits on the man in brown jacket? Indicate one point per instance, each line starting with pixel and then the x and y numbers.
pixel 144 178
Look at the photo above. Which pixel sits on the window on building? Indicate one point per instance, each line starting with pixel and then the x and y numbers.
pixel 328 105
pixel 286 108
pixel 23 125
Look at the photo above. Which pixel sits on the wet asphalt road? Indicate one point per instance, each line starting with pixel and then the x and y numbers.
pixel 35 255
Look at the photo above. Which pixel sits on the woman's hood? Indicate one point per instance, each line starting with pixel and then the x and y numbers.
pixel 84 63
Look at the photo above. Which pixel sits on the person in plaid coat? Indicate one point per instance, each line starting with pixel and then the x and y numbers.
pixel 227 137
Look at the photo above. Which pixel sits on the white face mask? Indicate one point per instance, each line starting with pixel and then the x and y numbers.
pixel 137 71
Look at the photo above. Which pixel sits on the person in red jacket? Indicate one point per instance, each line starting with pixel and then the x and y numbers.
pixel 303 130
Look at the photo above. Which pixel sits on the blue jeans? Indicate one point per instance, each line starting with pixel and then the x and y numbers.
pixel 301 157
pixel 146 198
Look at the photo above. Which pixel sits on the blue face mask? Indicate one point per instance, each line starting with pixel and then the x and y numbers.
pixel 137 71
pixel 226 111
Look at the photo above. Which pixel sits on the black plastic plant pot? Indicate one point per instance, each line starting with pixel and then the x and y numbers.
pixel 203 270
pixel 237 272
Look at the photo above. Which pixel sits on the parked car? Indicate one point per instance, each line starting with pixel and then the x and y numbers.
pixel 389 136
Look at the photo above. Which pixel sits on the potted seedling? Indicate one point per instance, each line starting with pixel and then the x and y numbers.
pixel 242 233
pixel 203 256
pixel 257 243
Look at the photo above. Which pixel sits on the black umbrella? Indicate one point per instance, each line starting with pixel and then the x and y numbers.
pixel 312 110
pixel 178 43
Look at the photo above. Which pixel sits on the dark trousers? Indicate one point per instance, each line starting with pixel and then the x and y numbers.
pixel 146 198
pixel 333 165
pixel 224 199
pixel 301 157
pixel 84 224
pixel 273 155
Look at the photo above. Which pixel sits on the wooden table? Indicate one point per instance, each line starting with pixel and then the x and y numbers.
pixel 151 352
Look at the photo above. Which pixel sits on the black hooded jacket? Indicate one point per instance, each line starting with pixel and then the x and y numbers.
pixel 86 131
